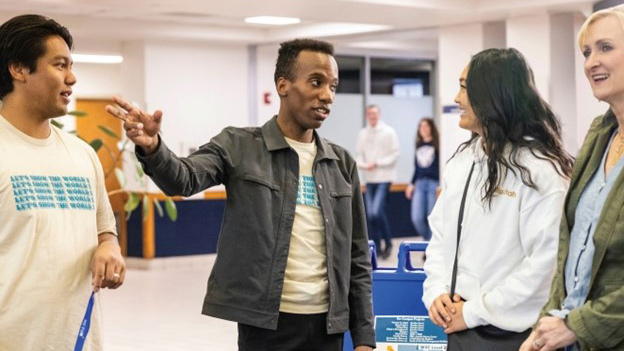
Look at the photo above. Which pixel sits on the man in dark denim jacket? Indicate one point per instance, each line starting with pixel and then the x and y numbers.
pixel 260 168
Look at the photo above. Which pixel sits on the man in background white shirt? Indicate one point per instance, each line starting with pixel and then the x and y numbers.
pixel 377 154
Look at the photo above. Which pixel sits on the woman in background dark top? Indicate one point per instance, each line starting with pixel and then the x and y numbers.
pixel 426 179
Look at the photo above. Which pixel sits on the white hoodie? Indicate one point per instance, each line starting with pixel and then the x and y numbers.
pixel 507 253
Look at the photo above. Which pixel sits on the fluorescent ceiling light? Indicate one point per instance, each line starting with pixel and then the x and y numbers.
pixel 335 28
pixel 106 59
pixel 272 20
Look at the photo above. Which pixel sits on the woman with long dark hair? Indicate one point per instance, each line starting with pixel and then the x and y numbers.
pixel 492 254
pixel 426 178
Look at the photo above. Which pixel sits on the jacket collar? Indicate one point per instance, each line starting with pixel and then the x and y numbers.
pixel 274 140
pixel 588 160
pixel 608 121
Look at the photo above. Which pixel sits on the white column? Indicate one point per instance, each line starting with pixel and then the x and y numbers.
pixel 133 72
pixel 133 90
pixel 531 36
pixel 563 77
pixel 267 100
pixel 549 45
pixel 456 45
pixel 495 35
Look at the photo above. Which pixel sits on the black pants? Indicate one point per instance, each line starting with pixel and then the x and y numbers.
pixel 295 332
pixel 486 338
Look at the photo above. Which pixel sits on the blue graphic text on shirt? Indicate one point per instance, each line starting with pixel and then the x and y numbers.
pixel 306 193
pixel 52 192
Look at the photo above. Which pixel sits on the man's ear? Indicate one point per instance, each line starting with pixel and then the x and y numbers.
pixel 282 86
pixel 18 71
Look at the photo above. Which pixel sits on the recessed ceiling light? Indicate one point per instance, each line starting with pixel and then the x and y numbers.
pixel 106 59
pixel 272 20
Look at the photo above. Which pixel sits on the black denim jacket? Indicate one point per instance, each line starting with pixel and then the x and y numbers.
pixel 261 172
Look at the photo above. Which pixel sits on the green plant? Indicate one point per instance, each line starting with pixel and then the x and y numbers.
pixel 134 197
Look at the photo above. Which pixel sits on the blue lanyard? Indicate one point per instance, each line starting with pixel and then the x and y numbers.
pixel 84 326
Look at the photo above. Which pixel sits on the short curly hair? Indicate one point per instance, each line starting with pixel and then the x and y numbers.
pixel 289 50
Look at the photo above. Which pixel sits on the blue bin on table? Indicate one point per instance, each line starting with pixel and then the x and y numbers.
pixel 397 303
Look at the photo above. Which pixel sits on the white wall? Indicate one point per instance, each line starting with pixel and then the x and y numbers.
pixel 531 36
pixel 97 81
pixel 345 121
pixel 266 57
pixel 563 77
pixel 494 35
pixel 456 45
pixel 200 88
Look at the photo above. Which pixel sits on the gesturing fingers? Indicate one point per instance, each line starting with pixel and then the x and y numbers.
pixel 117 112
pixel 123 103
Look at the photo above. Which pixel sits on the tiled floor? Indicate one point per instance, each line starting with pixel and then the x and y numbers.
pixel 160 309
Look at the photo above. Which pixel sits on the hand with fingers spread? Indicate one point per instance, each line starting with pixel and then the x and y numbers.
pixel 441 310
pixel 141 127
pixel 108 269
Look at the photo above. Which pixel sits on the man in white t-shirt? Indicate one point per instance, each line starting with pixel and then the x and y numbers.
pixel 57 229
pixel 377 152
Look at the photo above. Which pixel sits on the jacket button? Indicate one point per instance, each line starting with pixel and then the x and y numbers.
pixel 329 324
pixel 320 186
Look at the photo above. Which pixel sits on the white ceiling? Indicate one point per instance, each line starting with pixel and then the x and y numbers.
pixel 408 26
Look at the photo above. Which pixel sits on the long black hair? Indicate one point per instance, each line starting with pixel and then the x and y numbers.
pixel 435 138
pixel 502 94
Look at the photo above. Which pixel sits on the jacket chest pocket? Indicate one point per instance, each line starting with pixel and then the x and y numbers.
pixel 341 194
pixel 254 181
pixel 342 200
pixel 614 254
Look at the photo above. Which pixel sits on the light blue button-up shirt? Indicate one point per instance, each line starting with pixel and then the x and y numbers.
pixel 578 268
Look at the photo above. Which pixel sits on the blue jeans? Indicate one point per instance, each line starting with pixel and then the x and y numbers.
pixel 423 199
pixel 378 224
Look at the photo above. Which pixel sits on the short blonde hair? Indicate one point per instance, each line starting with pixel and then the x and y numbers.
pixel 616 11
